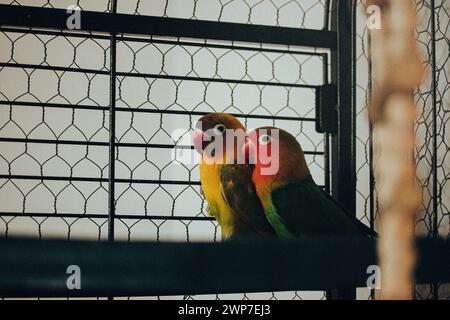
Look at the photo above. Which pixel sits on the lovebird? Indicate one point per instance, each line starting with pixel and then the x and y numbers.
pixel 226 181
pixel 293 204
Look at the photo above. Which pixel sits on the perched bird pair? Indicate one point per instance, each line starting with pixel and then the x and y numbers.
pixel 247 201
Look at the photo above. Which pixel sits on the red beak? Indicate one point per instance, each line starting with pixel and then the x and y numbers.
pixel 199 141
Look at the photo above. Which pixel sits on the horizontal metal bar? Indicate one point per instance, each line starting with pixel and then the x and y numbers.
pixel 175 41
pixel 53 178
pixel 92 179
pixel 52 68
pixel 220 46
pixel 118 144
pixel 89 179
pixel 25 16
pixel 157 76
pixel 157 111
pixel 202 113
pixel 57 142
pixel 30 268
pixel 96 143
pixel 104 216
pixel 52 105
pixel 60 33
pixel 217 80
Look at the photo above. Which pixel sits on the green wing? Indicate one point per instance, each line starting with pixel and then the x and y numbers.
pixel 307 210
pixel 239 192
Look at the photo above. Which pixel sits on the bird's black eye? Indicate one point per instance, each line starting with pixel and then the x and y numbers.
pixel 265 139
pixel 219 129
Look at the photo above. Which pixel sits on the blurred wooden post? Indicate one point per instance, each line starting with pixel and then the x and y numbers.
pixel 396 73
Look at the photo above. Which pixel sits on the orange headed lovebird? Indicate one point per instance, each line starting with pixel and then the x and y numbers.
pixel 226 181
pixel 293 204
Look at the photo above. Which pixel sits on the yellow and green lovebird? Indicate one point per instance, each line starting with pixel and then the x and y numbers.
pixel 293 204
pixel 227 184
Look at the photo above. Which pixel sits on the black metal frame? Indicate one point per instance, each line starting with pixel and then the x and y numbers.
pixel 173 27
pixel 339 39
pixel 131 269
pixel 343 143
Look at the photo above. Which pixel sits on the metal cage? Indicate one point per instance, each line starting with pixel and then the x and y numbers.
pixel 96 148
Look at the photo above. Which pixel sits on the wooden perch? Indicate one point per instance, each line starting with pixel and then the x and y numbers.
pixel 396 73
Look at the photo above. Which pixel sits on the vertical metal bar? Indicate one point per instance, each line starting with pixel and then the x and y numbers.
pixel 435 231
pixel 343 143
pixel 372 195
pixel 326 136
pixel 112 131
pixel 326 20
pixel 327 163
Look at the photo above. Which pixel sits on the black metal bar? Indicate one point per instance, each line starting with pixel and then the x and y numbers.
pixel 174 41
pixel 372 184
pixel 326 24
pixel 434 115
pixel 52 68
pixel 372 194
pixel 148 25
pixel 112 130
pixel 105 216
pixel 326 112
pixel 57 142
pixel 93 179
pixel 157 76
pixel 219 80
pixel 202 113
pixel 435 231
pixel 100 144
pixel 343 143
pixel 117 144
pixel 326 80
pixel 53 178
pixel 30 268
pixel 144 110
pixel 53 105
pixel 59 33
pixel 219 46
pixel 112 133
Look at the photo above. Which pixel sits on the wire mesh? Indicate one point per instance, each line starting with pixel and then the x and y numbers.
pixel 432 99
pixel 365 198
pixel 55 121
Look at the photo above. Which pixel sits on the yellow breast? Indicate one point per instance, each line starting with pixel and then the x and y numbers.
pixel 210 179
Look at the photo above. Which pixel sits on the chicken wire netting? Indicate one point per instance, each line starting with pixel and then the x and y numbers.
pixel 54 119
pixel 432 149
pixel 432 153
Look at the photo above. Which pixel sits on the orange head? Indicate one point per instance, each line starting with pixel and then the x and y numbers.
pixel 219 136
pixel 277 155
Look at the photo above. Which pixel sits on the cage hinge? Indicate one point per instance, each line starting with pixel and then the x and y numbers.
pixel 326 109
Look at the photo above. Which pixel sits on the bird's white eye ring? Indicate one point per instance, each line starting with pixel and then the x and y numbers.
pixel 265 139
pixel 219 129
